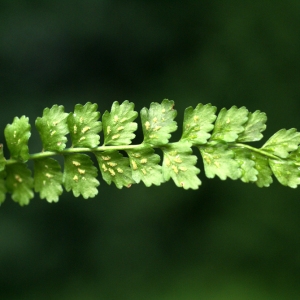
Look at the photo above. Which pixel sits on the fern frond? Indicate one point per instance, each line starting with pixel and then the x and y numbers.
pixel 220 138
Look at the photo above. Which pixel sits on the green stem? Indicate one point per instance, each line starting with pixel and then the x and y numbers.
pixel 123 147
pixel 260 151
pixel 74 150
pixel 265 153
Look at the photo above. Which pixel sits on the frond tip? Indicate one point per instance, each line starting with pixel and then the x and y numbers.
pixel 220 138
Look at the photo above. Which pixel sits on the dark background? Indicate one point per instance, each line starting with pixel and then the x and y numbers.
pixel 227 240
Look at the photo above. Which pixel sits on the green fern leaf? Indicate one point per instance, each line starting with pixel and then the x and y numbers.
pixel 264 176
pixel 220 139
pixel 229 124
pixel 48 179
pixel 282 142
pixel 118 127
pixel 253 127
pixel 19 183
pixel 84 125
pixel 247 165
pixel 158 122
pixel 80 175
pixel 2 159
pixel 219 160
pixel 197 123
pixel 17 135
pixel 145 166
pixel 179 164
pixel 115 168
pixel 53 127
pixel 286 172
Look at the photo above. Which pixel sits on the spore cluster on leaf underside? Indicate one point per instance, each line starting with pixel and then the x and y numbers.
pixel 220 138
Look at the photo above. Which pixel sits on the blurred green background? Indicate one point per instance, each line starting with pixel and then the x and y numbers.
pixel 227 240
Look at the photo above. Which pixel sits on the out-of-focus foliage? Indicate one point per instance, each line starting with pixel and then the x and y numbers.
pixel 225 241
